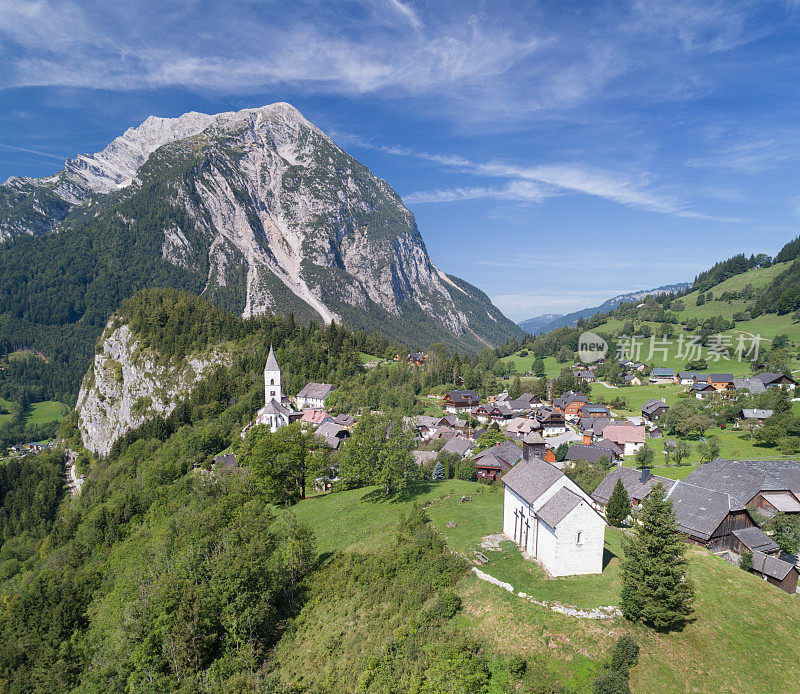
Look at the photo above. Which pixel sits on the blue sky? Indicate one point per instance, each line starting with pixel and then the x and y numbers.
pixel 554 154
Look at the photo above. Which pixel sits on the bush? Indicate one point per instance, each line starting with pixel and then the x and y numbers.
pixel 611 683
pixel 625 654
pixel 746 560
pixel 446 606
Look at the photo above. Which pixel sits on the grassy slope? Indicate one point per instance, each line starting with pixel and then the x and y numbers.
pixel 522 364
pixel 744 637
pixel 47 411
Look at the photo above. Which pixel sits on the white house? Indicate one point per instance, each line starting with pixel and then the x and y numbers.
pixel 277 411
pixel 630 438
pixel 313 395
pixel 552 519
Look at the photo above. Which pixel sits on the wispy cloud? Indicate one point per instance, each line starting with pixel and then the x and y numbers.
pixel 535 183
pixel 29 150
pixel 522 191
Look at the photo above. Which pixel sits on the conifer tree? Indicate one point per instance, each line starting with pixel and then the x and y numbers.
pixel 619 505
pixel 438 472
pixel 655 588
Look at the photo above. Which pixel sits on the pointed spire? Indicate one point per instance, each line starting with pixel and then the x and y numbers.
pixel 272 363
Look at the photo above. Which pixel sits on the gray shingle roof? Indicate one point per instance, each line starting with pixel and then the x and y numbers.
pixel 785 503
pixel 653 405
pixel 331 429
pixel 503 456
pixel 756 414
pixel 663 372
pixel 755 540
pixel 700 511
pixel 771 566
pixel 531 478
pixel 272 363
pixel 751 384
pixel 316 390
pixel 559 506
pixel 458 445
pixel 579 451
pixel 743 479
pixel 632 481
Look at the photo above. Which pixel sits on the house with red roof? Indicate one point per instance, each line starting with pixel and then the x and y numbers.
pixel 628 437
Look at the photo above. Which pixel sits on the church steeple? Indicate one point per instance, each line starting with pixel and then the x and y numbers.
pixel 272 379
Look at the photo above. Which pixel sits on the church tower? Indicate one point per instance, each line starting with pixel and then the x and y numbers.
pixel 272 379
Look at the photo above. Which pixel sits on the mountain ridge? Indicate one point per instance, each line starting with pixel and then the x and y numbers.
pixel 257 210
pixel 550 321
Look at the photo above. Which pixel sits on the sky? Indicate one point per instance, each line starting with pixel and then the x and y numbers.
pixel 555 154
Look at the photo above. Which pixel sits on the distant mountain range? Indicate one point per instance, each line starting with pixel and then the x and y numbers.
pixel 550 321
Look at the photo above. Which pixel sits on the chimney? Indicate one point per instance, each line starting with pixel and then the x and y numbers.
pixel 645 475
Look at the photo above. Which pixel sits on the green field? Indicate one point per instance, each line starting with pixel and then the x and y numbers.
pixel 5 406
pixel 743 637
pixel 524 364
pixel 47 411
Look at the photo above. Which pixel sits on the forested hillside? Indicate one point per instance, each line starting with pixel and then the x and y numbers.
pixel 163 576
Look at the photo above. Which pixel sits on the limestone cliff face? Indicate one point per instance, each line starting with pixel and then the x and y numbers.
pixel 261 212
pixel 127 385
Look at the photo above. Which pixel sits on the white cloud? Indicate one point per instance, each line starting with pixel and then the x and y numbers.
pixel 522 191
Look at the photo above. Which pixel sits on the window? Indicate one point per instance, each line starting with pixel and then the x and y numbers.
pixel 580 538
pixel 272 381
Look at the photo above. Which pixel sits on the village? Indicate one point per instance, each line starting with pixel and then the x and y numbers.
pixel 537 449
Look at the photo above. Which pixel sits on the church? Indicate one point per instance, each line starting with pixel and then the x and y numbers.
pixel 277 411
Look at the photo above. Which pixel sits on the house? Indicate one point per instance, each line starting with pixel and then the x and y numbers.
pixel 570 402
pixel 459 445
pixel 277 411
pixel 720 382
pixel 655 433
pixel 771 486
pixel 632 380
pixel 776 380
pixel 629 438
pixel 638 485
pixel 423 457
pixel 653 410
pixel 552 519
pixel 425 426
pixel 225 461
pixel 333 434
pixel 615 451
pixel 708 517
pixel 584 375
pixel 494 411
pixel 313 395
pixel 760 415
pixel 753 539
pixel 689 378
pixel 591 453
pixel 458 382
pixel 552 421
pixel 460 401
pixel 315 417
pixel 702 390
pixel 497 460
pixel 592 428
pixel 662 375
pixel 775 571
pixel 531 400
pixel 752 385
pixel 344 420
pixel 592 410
pixel 520 426
pixel 417 358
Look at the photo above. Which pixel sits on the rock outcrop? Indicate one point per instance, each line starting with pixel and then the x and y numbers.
pixel 127 385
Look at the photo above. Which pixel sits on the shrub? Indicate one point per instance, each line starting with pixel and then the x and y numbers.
pixel 611 683
pixel 625 654
pixel 746 560
pixel 446 606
